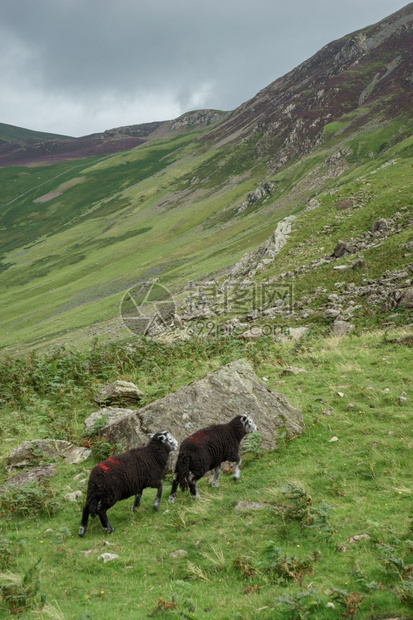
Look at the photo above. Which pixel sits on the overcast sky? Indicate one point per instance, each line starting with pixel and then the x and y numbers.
pixel 76 67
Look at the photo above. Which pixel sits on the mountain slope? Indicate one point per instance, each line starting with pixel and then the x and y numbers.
pixel 23 147
pixel 364 77
pixel 10 133
pixel 76 235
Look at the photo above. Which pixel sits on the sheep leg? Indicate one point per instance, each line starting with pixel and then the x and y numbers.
pixel 83 523
pixel 103 507
pixel 172 495
pixel 237 471
pixel 215 480
pixel 137 501
pixel 192 486
pixel 158 497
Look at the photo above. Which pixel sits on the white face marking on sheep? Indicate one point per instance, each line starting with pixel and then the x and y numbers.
pixel 169 439
pixel 249 425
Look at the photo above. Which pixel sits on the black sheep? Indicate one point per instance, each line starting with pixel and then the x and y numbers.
pixel 207 449
pixel 127 474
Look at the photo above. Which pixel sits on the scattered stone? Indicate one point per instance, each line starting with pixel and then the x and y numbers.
pixel 333 439
pixel 358 537
pixel 341 328
pixel 232 390
pixel 343 249
pixel 341 267
pixel 341 394
pixel 331 313
pixel 358 264
pixel 73 497
pixel 380 225
pixel 108 557
pixel 398 297
pixel 294 333
pixel 402 400
pixel 120 393
pixel 178 554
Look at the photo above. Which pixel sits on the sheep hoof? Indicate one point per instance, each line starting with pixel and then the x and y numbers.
pixel 215 484
pixel 109 529
pixel 156 506
pixel 235 478
pixel 82 531
pixel 171 499
pixel 195 496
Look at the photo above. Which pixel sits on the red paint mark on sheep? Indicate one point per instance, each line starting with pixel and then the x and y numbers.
pixel 199 437
pixel 106 465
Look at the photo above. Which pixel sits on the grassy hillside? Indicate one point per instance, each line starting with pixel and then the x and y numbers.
pixel 332 537
pixel 10 133
pixel 178 211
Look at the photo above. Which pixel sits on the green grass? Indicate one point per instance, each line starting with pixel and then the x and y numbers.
pixel 331 128
pixel 258 563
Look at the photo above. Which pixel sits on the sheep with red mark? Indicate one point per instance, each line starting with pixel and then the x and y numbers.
pixel 207 449
pixel 127 474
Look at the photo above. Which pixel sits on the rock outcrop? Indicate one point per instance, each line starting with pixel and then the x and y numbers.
pixel 32 475
pixel 37 450
pixel 216 398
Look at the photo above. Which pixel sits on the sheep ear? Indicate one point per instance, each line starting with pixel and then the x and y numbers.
pixel 150 435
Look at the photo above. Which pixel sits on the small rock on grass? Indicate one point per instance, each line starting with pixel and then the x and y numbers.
pixel 358 537
pixel 73 497
pixel 108 557
pixel 178 554
pixel 292 370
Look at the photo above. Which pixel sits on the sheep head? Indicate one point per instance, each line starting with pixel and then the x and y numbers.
pixel 248 424
pixel 166 438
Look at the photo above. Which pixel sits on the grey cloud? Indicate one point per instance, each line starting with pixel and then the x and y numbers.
pixel 92 60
